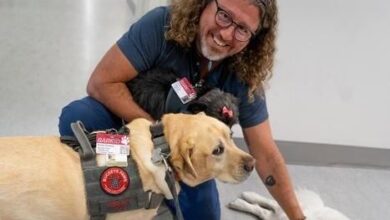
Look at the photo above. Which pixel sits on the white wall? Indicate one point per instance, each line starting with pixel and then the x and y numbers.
pixel 48 49
pixel 139 7
pixel 331 83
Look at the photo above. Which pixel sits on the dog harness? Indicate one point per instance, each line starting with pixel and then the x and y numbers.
pixel 161 153
pixel 117 189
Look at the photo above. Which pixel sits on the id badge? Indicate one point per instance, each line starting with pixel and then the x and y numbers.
pixel 184 90
pixel 114 148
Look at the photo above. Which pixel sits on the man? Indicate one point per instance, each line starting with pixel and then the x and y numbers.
pixel 227 43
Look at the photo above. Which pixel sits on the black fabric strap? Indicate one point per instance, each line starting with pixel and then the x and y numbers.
pixel 86 151
pixel 170 179
pixel 158 138
pixel 159 141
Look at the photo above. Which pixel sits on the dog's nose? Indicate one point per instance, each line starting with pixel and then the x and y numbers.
pixel 249 164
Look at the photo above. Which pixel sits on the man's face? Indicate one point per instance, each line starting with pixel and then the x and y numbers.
pixel 216 42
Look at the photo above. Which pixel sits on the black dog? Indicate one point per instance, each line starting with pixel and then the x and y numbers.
pixel 151 89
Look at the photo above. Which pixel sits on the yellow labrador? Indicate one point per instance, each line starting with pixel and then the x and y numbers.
pixel 41 178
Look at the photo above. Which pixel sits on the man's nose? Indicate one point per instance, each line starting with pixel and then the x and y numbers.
pixel 227 33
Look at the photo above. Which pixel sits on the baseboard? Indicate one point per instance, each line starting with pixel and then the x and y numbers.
pixel 315 154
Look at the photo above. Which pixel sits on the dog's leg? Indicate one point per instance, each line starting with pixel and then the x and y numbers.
pixel 141 147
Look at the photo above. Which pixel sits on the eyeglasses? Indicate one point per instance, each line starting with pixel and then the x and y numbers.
pixel 225 20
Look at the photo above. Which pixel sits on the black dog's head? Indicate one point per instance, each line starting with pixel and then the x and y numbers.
pixel 152 91
pixel 218 104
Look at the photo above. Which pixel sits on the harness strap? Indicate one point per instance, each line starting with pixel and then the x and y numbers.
pixel 158 138
pixel 161 154
pixel 170 179
pixel 86 151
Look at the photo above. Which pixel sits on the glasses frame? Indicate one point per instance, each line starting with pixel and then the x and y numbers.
pixel 232 22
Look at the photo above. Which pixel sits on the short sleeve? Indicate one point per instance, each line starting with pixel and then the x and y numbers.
pixel 144 41
pixel 252 113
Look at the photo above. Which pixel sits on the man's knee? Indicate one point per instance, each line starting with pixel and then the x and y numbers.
pixel 90 112
pixel 74 111
pixel 201 202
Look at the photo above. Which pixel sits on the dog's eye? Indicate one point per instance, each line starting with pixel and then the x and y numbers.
pixel 219 150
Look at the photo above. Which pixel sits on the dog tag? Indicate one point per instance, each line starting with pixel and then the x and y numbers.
pixel 112 149
pixel 184 90
pixel 112 144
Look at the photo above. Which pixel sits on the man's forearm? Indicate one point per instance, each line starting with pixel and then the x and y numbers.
pixel 107 85
pixel 117 98
pixel 273 172
pixel 272 169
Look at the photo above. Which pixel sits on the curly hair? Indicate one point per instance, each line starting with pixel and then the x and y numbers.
pixel 254 64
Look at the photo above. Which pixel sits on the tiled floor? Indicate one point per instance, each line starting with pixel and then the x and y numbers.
pixel 48 48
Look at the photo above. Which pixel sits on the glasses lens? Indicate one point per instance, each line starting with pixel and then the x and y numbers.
pixel 242 34
pixel 223 19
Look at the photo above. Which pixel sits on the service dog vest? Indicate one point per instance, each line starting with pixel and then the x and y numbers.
pixel 109 189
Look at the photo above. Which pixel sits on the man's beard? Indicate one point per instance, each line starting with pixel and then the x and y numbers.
pixel 208 53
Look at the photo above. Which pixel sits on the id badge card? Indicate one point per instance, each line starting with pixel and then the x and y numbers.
pixel 184 90
pixel 112 148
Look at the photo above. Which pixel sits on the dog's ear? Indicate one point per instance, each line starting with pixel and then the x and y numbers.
pixel 196 107
pixel 188 163
pixel 182 160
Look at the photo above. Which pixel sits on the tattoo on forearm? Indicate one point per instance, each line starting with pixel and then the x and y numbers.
pixel 270 181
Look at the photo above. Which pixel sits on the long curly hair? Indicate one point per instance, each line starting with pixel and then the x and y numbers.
pixel 253 64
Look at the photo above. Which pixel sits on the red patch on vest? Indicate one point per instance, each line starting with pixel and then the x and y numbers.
pixel 114 180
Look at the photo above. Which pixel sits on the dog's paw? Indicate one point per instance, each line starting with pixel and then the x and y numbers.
pixel 267 209
pixel 262 201
pixel 254 204
pixel 238 204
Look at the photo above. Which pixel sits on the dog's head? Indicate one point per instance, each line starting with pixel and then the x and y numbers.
pixel 202 148
pixel 218 104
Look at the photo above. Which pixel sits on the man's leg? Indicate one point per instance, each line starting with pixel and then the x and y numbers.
pixel 200 202
pixel 91 113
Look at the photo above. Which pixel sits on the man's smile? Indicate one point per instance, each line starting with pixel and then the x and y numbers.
pixel 218 41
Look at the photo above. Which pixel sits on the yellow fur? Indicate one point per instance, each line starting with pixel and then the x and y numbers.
pixel 41 178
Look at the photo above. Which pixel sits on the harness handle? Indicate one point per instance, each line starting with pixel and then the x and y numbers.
pixel 86 151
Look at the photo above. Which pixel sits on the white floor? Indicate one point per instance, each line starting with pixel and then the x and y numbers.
pixel 48 49
pixel 361 194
